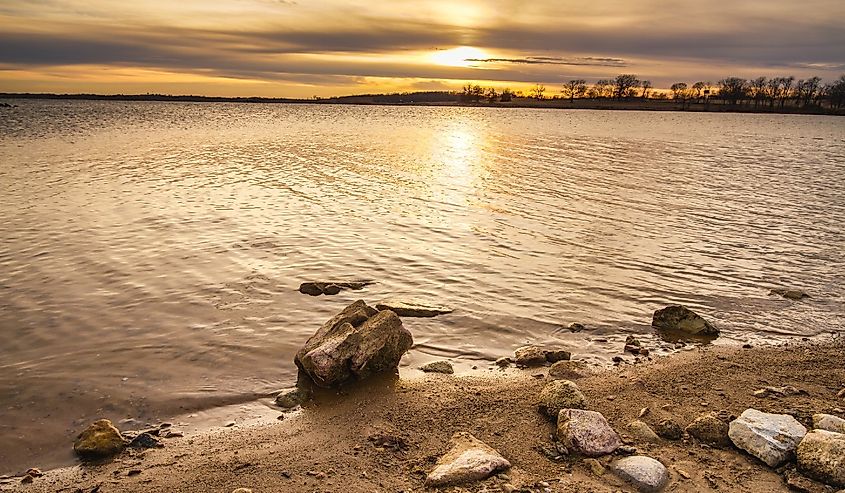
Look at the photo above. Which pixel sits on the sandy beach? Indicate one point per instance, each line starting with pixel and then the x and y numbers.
pixel 385 434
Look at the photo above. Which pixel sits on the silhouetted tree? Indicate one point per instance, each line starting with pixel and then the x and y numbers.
pixel 806 91
pixel 697 88
pixel 646 87
pixel 537 91
pixel 603 88
pixel 733 89
pixel 625 84
pixel 679 90
pixel 506 96
pixel 757 90
pixel 835 93
pixel 575 88
pixel 491 95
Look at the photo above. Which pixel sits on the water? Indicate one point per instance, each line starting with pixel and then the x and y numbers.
pixel 150 252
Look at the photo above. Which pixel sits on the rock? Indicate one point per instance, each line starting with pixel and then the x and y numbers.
pixel 99 440
pixel 413 308
pixel 561 394
pixel 595 467
pixel 503 362
pixel 557 355
pixel 641 430
pixel 632 345
pixel 568 369
pixel 355 343
pixel 682 319
pixel 790 294
pixel 438 367
pixel 291 397
pixel 772 438
pixel 316 288
pixel 145 440
pixel 242 490
pixel 708 428
pixel 530 356
pixel 669 430
pixel 586 433
pixel 779 391
pixel 802 484
pixel 469 459
pixel 644 473
pixel 821 456
pixel 576 327
pixel 829 422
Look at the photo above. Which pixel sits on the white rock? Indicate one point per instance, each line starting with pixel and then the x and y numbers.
pixel 469 459
pixel 772 438
pixel 829 422
pixel 821 456
pixel 644 473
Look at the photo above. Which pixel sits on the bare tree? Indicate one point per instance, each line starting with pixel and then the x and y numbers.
pixel 646 84
pixel 537 91
pixel 574 88
pixel 625 85
pixel 733 89
pixel 506 96
pixel 491 95
pixel 697 88
pixel 603 88
pixel 757 89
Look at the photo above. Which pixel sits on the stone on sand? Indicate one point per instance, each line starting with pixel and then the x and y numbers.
pixel 530 356
pixel 790 293
pixel 772 438
pixel 291 397
pixel 710 429
pixel 469 459
pixel 821 456
pixel 413 308
pixel 669 429
pixel 681 319
pixel 644 473
pixel 100 439
pixel 354 344
pixel 438 367
pixel 641 430
pixel 586 432
pixel 561 394
pixel 829 422
pixel 568 369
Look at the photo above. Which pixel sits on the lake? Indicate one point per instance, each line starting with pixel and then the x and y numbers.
pixel 150 253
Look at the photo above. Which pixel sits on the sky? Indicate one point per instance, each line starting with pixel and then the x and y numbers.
pixel 306 48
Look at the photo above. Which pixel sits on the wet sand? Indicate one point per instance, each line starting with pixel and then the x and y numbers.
pixel 386 434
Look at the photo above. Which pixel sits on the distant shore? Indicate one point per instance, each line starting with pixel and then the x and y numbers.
pixel 631 104
pixel 385 434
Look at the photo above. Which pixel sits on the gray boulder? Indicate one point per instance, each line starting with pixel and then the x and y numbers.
pixel 355 343
pixel 772 438
pixel 681 319
pixel 561 394
pixel 644 473
pixel 821 456
pixel 468 460
pixel 101 439
pixel 586 433
pixel 413 308
pixel 829 422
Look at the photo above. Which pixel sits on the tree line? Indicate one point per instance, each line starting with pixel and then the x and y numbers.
pixel 759 92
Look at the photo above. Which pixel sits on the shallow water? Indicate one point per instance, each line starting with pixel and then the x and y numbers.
pixel 150 252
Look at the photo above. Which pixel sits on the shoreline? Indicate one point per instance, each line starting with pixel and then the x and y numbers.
pixel 554 104
pixel 384 434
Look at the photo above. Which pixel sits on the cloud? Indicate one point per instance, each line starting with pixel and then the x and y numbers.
pixel 548 60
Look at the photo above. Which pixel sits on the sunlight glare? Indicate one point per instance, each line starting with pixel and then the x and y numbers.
pixel 458 57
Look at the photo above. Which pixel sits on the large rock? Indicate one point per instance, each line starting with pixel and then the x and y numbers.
pixel 709 429
pixel 537 356
pixel 413 308
pixel 438 367
pixel 316 288
pixel 821 455
pixel 469 459
pixel 355 343
pixel 829 422
pixel 681 319
pixel 644 473
pixel 772 438
pixel 586 433
pixel 99 440
pixel 561 394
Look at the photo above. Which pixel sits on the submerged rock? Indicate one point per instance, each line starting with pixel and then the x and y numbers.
pixel 790 294
pixel 99 440
pixel 469 459
pixel 772 438
pixel 355 343
pixel 413 308
pixel 821 456
pixel 438 367
pixel 586 433
pixel 316 288
pixel 829 422
pixel 710 429
pixel 682 319
pixel 561 394
pixel 644 473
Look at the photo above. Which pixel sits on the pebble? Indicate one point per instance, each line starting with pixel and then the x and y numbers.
pixel 242 490
pixel 644 473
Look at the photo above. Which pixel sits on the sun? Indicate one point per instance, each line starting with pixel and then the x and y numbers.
pixel 461 56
